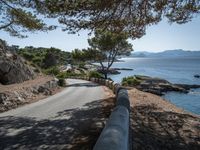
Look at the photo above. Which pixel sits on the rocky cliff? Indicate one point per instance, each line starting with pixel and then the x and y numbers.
pixel 13 69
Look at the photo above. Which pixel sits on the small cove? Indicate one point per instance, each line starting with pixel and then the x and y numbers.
pixel 175 70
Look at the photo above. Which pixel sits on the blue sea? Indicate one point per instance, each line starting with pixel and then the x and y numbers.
pixel 175 70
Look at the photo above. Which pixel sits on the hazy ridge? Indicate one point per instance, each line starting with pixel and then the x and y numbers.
pixel 167 53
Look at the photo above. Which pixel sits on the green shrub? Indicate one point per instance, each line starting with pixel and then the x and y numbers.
pixel 61 82
pixel 32 64
pixel 95 74
pixel 38 55
pixel 62 75
pixel 130 81
pixel 37 60
pixel 52 71
pixel 27 55
pixel 37 70
pixel 81 65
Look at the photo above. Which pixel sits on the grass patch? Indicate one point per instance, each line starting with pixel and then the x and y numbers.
pixel 95 74
pixel 131 81
pixel 52 71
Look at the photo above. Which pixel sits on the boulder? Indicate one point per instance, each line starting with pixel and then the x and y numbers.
pixel 3 98
pixel 13 68
pixel 197 76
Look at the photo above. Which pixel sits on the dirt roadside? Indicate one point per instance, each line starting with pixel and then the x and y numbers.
pixel 157 124
pixel 15 95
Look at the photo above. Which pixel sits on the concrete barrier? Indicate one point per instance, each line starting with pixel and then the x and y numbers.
pixel 92 79
pixel 117 88
pixel 115 135
pixel 106 83
pixel 123 99
pixel 109 84
pixel 113 86
pixel 101 81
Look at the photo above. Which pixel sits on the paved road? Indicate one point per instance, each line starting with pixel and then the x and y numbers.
pixel 78 93
pixel 36 125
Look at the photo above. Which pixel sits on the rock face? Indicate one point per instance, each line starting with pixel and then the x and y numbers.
pixel 12 67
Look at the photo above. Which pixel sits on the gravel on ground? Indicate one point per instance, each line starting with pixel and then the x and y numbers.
pixel 156 124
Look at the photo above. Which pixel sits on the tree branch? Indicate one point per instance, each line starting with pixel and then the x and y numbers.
pixel 6 25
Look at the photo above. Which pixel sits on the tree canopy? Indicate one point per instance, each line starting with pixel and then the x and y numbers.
pixel 105 46
pixel 130 16
pixel 20 16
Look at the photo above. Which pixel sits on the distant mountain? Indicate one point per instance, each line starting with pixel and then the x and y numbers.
pixel 167 53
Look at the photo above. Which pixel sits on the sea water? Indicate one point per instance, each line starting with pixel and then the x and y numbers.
pixel 175 70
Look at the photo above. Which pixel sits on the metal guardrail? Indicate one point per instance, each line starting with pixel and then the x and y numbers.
pixel 115 135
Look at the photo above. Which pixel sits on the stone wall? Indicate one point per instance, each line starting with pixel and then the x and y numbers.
pixel 10 100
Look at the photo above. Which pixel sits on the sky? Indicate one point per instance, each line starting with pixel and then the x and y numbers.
pixel 160 37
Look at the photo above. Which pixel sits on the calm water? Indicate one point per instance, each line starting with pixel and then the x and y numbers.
pixel 175 70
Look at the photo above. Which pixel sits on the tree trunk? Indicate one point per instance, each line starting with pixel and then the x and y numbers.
pixel 105 74
pixel 104 71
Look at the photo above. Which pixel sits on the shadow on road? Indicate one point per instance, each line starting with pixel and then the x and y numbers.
pixel 156 130
pixel 70 129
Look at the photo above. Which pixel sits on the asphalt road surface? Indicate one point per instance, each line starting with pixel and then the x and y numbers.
pixel 49 123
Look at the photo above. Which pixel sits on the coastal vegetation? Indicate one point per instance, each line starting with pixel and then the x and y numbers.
pixel 130 81
pixel 95 74
pixel 48 60
pixel 45 57
pixel 105 46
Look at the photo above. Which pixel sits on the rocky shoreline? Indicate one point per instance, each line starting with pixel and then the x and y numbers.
pixel 160 86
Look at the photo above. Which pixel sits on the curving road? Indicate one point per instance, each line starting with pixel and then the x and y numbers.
pixel 44 124
pixel 78 93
